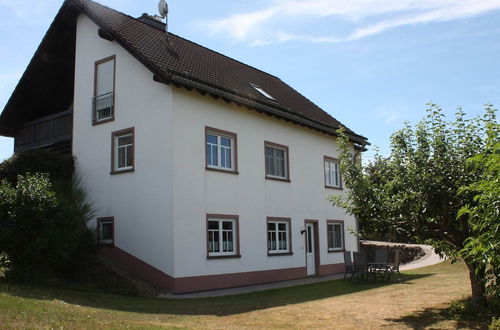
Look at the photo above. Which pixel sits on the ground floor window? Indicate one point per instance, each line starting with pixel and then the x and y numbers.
pixel 278 236
pixel 222 236
pixel 105 230
pixel 335 230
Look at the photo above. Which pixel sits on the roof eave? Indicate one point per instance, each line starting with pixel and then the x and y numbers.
pixel 362 141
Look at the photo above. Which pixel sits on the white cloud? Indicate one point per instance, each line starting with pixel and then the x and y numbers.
pixel 366 17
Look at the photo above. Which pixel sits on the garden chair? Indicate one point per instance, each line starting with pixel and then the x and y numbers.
pixel 380 266
pixel 394 268
pixel 361 270
pixel 349 266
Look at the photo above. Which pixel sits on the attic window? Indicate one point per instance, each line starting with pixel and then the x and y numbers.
pixel 263 92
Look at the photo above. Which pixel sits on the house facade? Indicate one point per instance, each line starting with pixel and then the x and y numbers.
pixel 204 173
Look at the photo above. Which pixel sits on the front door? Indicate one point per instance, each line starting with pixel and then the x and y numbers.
pixel 310 249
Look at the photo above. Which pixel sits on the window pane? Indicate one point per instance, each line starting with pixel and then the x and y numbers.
pixel 129 161
pixel 124 140
pixel 282 226
pixel 225 142
pixel 121 157
pixel 270 166
pixel 280 154
pixel 309 240
pixel 337 236
pixel 104 81
pixel 330 236
pixel 227 225
pixel 211 139
pixel 269 152
pixel 106 231
pixel 213 225
pixel 271 226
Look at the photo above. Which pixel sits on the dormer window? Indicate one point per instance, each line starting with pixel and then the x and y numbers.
pixel 263 92
pixel 104 91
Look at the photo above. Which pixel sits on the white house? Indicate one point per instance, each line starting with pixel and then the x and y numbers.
pixel 204 172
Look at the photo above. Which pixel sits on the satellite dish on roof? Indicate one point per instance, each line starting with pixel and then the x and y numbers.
pixel 163 8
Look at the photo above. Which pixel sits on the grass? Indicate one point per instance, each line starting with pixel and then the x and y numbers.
pixel 421 302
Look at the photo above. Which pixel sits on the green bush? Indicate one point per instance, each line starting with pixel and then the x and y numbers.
pixel 495 324
pixel 58 166
pixel 44 232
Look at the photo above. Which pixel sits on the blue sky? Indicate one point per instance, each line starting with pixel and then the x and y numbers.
pixel 372 64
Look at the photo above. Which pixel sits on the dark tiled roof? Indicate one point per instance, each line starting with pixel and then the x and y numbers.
pixel 189 61
pixel 186 63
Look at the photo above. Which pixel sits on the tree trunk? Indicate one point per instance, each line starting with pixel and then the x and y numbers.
pixel 476 275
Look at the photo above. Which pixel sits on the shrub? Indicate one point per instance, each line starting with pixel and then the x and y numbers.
pixel 58 166
pixel 42 230
pixel 495 324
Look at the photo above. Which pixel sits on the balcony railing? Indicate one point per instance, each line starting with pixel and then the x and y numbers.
pixel 46 131
pixel 103 107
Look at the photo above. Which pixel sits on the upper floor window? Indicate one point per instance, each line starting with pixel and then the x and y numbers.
pixel 222 235
pixel 276 161
pixel 332 173
pixel 221 150
pixel 122 154
pixel 104 90
pixel 335 230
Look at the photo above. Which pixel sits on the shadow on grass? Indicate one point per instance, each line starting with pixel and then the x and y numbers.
pixel 431 317
pixel 219 306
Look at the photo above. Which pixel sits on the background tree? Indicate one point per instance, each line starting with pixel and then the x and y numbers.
pixel 414 192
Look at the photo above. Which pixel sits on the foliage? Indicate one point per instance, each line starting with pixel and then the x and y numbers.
pixel 58 166
pixel 495 324
pixel 42 230
pixel 414 192
pixel 484 211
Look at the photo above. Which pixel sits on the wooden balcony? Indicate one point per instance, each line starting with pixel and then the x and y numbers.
pixel 50 132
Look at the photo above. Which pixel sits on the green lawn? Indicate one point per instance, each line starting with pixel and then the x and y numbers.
pixel 422 301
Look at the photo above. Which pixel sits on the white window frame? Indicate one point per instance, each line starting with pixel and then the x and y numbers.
pixel 100 223
pixel 107 98
pixel 330 242
pixel 276 235
pixel 221 232
pixel 332 173
pixel 116 136
pixel 220 148
pixel 274 147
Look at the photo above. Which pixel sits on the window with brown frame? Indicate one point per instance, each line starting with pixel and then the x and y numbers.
pixel 222 236
pixel 103 102
pixel 279 239
pixel 276 161
pixel 221 150
pixel 122 151
pixel 333 178
pixel 335 238
pixel 106 230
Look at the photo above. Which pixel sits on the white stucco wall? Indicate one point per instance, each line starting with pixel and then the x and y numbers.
pixel 199 192
pixel 141 201
pixel 160 208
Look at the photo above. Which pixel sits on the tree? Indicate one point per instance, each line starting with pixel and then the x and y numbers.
pixel 484 211
pixel 414 191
